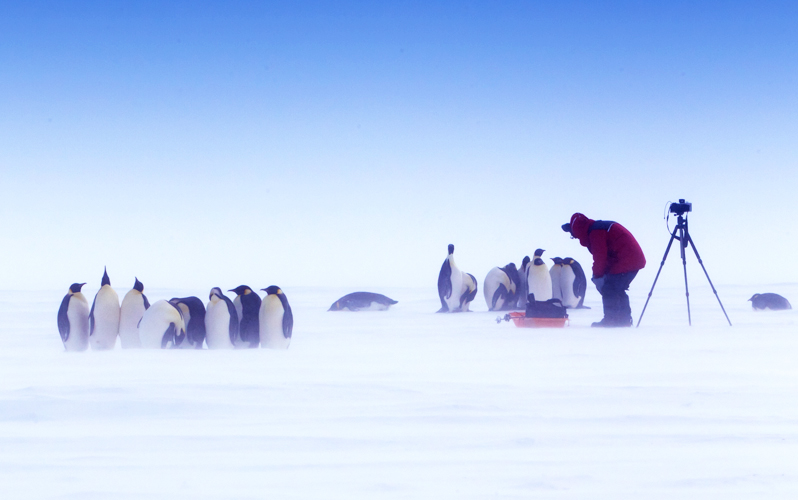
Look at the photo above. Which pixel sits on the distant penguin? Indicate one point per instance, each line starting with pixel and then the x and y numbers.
pixel 522 292
pixel 104 317
pixel 221 321
pixel 499 288
pixel 162 326
pixel 772 301
pixel 538 278
pixel 73 319
pixel 573 284
pixel 469 291
pixel 362 301
pixel 276 319
pixel 133 306
pixel 450 283
pixel 193 311
pixel 247 304
pixel 555 272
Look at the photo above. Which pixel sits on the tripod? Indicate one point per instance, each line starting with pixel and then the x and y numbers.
pixel 684 239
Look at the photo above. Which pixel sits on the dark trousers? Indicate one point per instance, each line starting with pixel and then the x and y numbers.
pixel 613 296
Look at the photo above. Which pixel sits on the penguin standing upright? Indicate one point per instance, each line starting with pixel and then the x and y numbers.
pixel 538 278
pixel 104 317
pixel 247 304
pixel 133 306
pixel 193 311
pixel 522 292
pixel 450 283
pixel 276 319
pixel 555 272
pixel 221 321
pixel 573 284
pixel 499 287
pixel 469 291
pixel 73 319
pixel 162 326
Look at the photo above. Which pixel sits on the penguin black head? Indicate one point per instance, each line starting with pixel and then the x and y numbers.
pixel 272 290
pixel 568 261
pixel 106 279
pixel 511 267
pixel 138 285
pixel 557 260
pixel 75 287
pixel 525 261
pixel 215 291
pixel 241 290
pixel 539 252
pixel 749 300
pixel 451 249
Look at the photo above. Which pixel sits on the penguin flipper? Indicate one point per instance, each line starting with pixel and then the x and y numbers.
pixel 288 320
pixel 168 336
pixel 500 293
pixel 91 317
pixel 445 282
pixel 63 318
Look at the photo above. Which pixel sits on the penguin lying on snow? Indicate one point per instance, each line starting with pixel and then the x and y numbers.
pixel 772 301
pixel 500 287
pixel 194 318
pixel 73 319
pixel 362 301
pixel 276 319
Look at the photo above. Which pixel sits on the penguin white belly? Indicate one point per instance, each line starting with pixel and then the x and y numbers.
pixel 271 324
pixel 239 308
pixel 78 314
pixel 217 326
pixel 539 282
pixel 493 281
pixel 373 306
pixel 457 284
pixel 567 277
pixel 522 292
pixel 556 290
pixel 156 321
pixel 130 314
pixel 106 319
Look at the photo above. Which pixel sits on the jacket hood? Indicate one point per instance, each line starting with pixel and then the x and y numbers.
pixel 579 227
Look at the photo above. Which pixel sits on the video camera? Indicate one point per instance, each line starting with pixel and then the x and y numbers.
pixel 681 207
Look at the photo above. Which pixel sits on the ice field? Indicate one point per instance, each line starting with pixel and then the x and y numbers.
pixel 411 404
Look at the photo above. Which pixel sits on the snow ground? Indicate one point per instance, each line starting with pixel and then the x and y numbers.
pixel 411 404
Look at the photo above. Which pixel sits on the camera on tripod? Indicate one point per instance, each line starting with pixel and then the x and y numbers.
pixel 681 207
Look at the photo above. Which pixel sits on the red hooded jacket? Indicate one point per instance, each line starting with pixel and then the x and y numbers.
pixel 614 248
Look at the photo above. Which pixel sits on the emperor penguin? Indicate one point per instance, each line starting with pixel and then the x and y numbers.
pixel 133 306
pixel 162 326
pixel 247 305
pixel 522 292
pixel 193 311
pixel 73 319
pixel 555 272
pixel 362 301
pixel 469 291
pixel 276 319
pixel 450 282
pixel 573 284
pixel 538 278
pixel 499 287
pixel 104 317
pixel 221 321
pixel 772 301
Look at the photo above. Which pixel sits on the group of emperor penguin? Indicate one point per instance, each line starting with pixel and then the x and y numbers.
pixel 508 287
pixel 181 322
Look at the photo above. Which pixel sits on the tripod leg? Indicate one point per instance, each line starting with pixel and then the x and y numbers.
pixel 692 244
pixel 668 249
pixel 683 243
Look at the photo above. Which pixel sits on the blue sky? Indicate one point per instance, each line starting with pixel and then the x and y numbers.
pixel 325 143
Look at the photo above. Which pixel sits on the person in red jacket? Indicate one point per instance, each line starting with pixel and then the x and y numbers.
pixel 617 257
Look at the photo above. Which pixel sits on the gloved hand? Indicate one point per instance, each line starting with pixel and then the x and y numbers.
pixel 598 281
